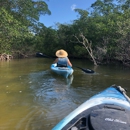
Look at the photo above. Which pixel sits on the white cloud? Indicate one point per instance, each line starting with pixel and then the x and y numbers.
pixel 73 7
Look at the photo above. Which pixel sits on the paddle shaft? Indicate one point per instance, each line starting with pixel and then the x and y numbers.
pixel 85 70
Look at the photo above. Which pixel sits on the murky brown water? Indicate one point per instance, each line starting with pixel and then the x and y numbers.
pixel 34 98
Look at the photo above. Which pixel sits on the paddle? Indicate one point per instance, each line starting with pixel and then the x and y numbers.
pixel 84 70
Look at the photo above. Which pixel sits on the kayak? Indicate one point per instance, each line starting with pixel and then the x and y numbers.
pixel 64 71
pixel 107 110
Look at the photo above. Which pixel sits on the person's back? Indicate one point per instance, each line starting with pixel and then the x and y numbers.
pixel 62 60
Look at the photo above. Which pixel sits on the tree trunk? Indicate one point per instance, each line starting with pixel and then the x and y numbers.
pixel 88 47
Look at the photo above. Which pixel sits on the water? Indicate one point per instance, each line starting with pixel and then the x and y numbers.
pixel 32 97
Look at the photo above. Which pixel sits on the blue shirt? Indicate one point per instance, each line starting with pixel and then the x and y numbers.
pixel 63 61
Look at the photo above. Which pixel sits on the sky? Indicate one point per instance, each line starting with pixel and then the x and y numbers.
pixel 62 11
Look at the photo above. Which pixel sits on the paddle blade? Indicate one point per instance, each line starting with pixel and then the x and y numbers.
pixel 88 70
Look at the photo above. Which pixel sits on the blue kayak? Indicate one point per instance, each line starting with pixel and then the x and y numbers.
pixel 108 110
pixel 64 71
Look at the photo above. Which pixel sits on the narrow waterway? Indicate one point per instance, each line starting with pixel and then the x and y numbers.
pixel 32 97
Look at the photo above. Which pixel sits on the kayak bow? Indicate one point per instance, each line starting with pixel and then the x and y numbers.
pixel 107 110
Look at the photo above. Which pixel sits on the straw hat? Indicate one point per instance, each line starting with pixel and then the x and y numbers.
pixel 61 53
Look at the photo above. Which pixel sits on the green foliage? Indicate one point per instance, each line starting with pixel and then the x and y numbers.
pixel 47 41
pixel 106 27
pixel 11 31
pixel 80 51
pixel 18 22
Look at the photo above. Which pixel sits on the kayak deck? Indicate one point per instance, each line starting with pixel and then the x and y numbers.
pixel 64 71
pixel 108 110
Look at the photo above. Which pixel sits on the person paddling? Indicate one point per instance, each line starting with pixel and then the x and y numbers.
pixel 62 60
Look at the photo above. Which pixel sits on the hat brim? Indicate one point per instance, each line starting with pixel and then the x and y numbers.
pixel 61 53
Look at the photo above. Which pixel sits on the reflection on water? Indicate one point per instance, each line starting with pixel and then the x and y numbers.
pixel 33 98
